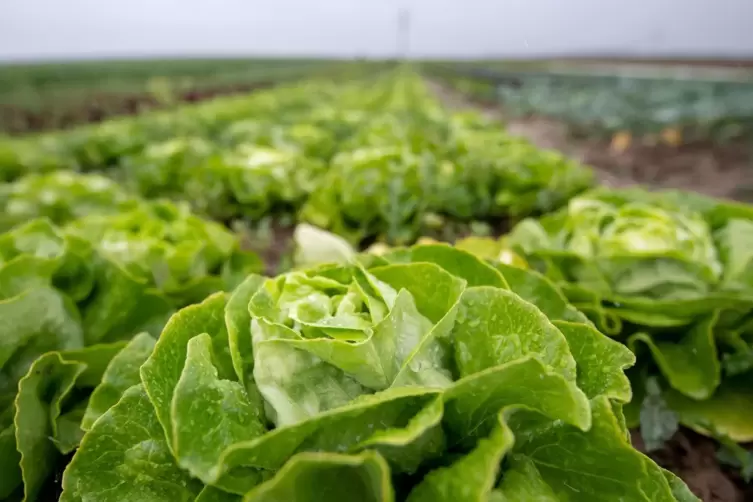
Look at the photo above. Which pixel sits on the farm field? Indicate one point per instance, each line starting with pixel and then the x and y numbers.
pixel 690 143
pixel 364 284
pixel 37 97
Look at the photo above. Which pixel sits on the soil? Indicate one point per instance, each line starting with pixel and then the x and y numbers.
pixel 719 170
pixel 702 62
pixel 693 458
pixel 274 244
pixel 98 106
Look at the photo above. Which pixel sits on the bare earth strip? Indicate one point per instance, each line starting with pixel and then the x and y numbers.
pixel 720 171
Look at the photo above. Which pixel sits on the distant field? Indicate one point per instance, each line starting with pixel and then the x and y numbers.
pixel 683 69
pixel 13 74
pixel 49 95
pixel 720 62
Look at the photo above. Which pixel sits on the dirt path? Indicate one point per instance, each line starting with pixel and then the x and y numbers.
pixel 720 171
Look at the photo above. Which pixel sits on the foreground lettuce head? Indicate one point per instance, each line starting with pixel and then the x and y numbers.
pixel 425 374
pixel 672 275
pixel 71 301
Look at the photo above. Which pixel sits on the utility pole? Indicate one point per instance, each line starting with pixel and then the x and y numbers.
pixel 403 33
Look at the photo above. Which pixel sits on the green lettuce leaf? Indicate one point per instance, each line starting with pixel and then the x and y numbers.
pixel 691 364
pixel 162 370
pixel 593 465
pixel 129 440
pixel 209 414
pixel 337 477
pixel 121 374
pixel 473 476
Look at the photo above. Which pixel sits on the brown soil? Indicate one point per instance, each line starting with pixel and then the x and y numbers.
pixel 705 62
pixel 720 170
pixel 274 244
pixel 693 458
pixel 98 106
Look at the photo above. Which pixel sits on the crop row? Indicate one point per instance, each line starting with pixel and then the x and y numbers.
pixel 381 161
pixel 140 335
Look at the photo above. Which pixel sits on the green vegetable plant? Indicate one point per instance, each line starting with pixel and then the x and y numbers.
pixel 60 196
pixel 669 274
pixel 377 159
pixel 425 373
pixel 77 303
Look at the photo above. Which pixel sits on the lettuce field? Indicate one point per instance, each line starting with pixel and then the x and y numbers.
pixel 339 289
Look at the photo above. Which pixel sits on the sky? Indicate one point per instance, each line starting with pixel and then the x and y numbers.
pixel 62 29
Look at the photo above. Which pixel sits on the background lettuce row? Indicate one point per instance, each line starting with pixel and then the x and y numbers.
pixel 418 375
pixel 370 159
pixel 671 275
pixel 71 298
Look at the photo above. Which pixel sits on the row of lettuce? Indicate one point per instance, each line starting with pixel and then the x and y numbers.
pixel 73 293
pixel 367 160
pixel 420 373
pixel 671 275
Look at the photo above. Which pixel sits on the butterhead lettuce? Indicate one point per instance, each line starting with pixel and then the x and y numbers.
pixel 419 375
pixel 81 306
pixel 669 274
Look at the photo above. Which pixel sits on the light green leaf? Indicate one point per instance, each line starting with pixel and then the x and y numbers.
pixel 434 290
pixel 238 321
pixel 601 361
pixel 311 477
pixel 122 306
pixel 337 430
pixel 522 481
pixel 472 402
pixel 691 365
pixel 315 246
pixel 122 373
pixel 96 358
pixel 375 362
pixel 35 322
pixel 727 412
pixel 460 263
pixel 125 458
pixel 25 272
pixel 38 404
pixel 430 361
pixel 537 289
pixel 295 384
pixel 209 414
pixel 495 326
pixel 161 372
pixel 679 489
pixel 67 432
pixel 594 465
pixel 483 247
pixel 736 250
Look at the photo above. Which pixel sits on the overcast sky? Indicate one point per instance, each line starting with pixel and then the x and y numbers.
pixel 33 29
